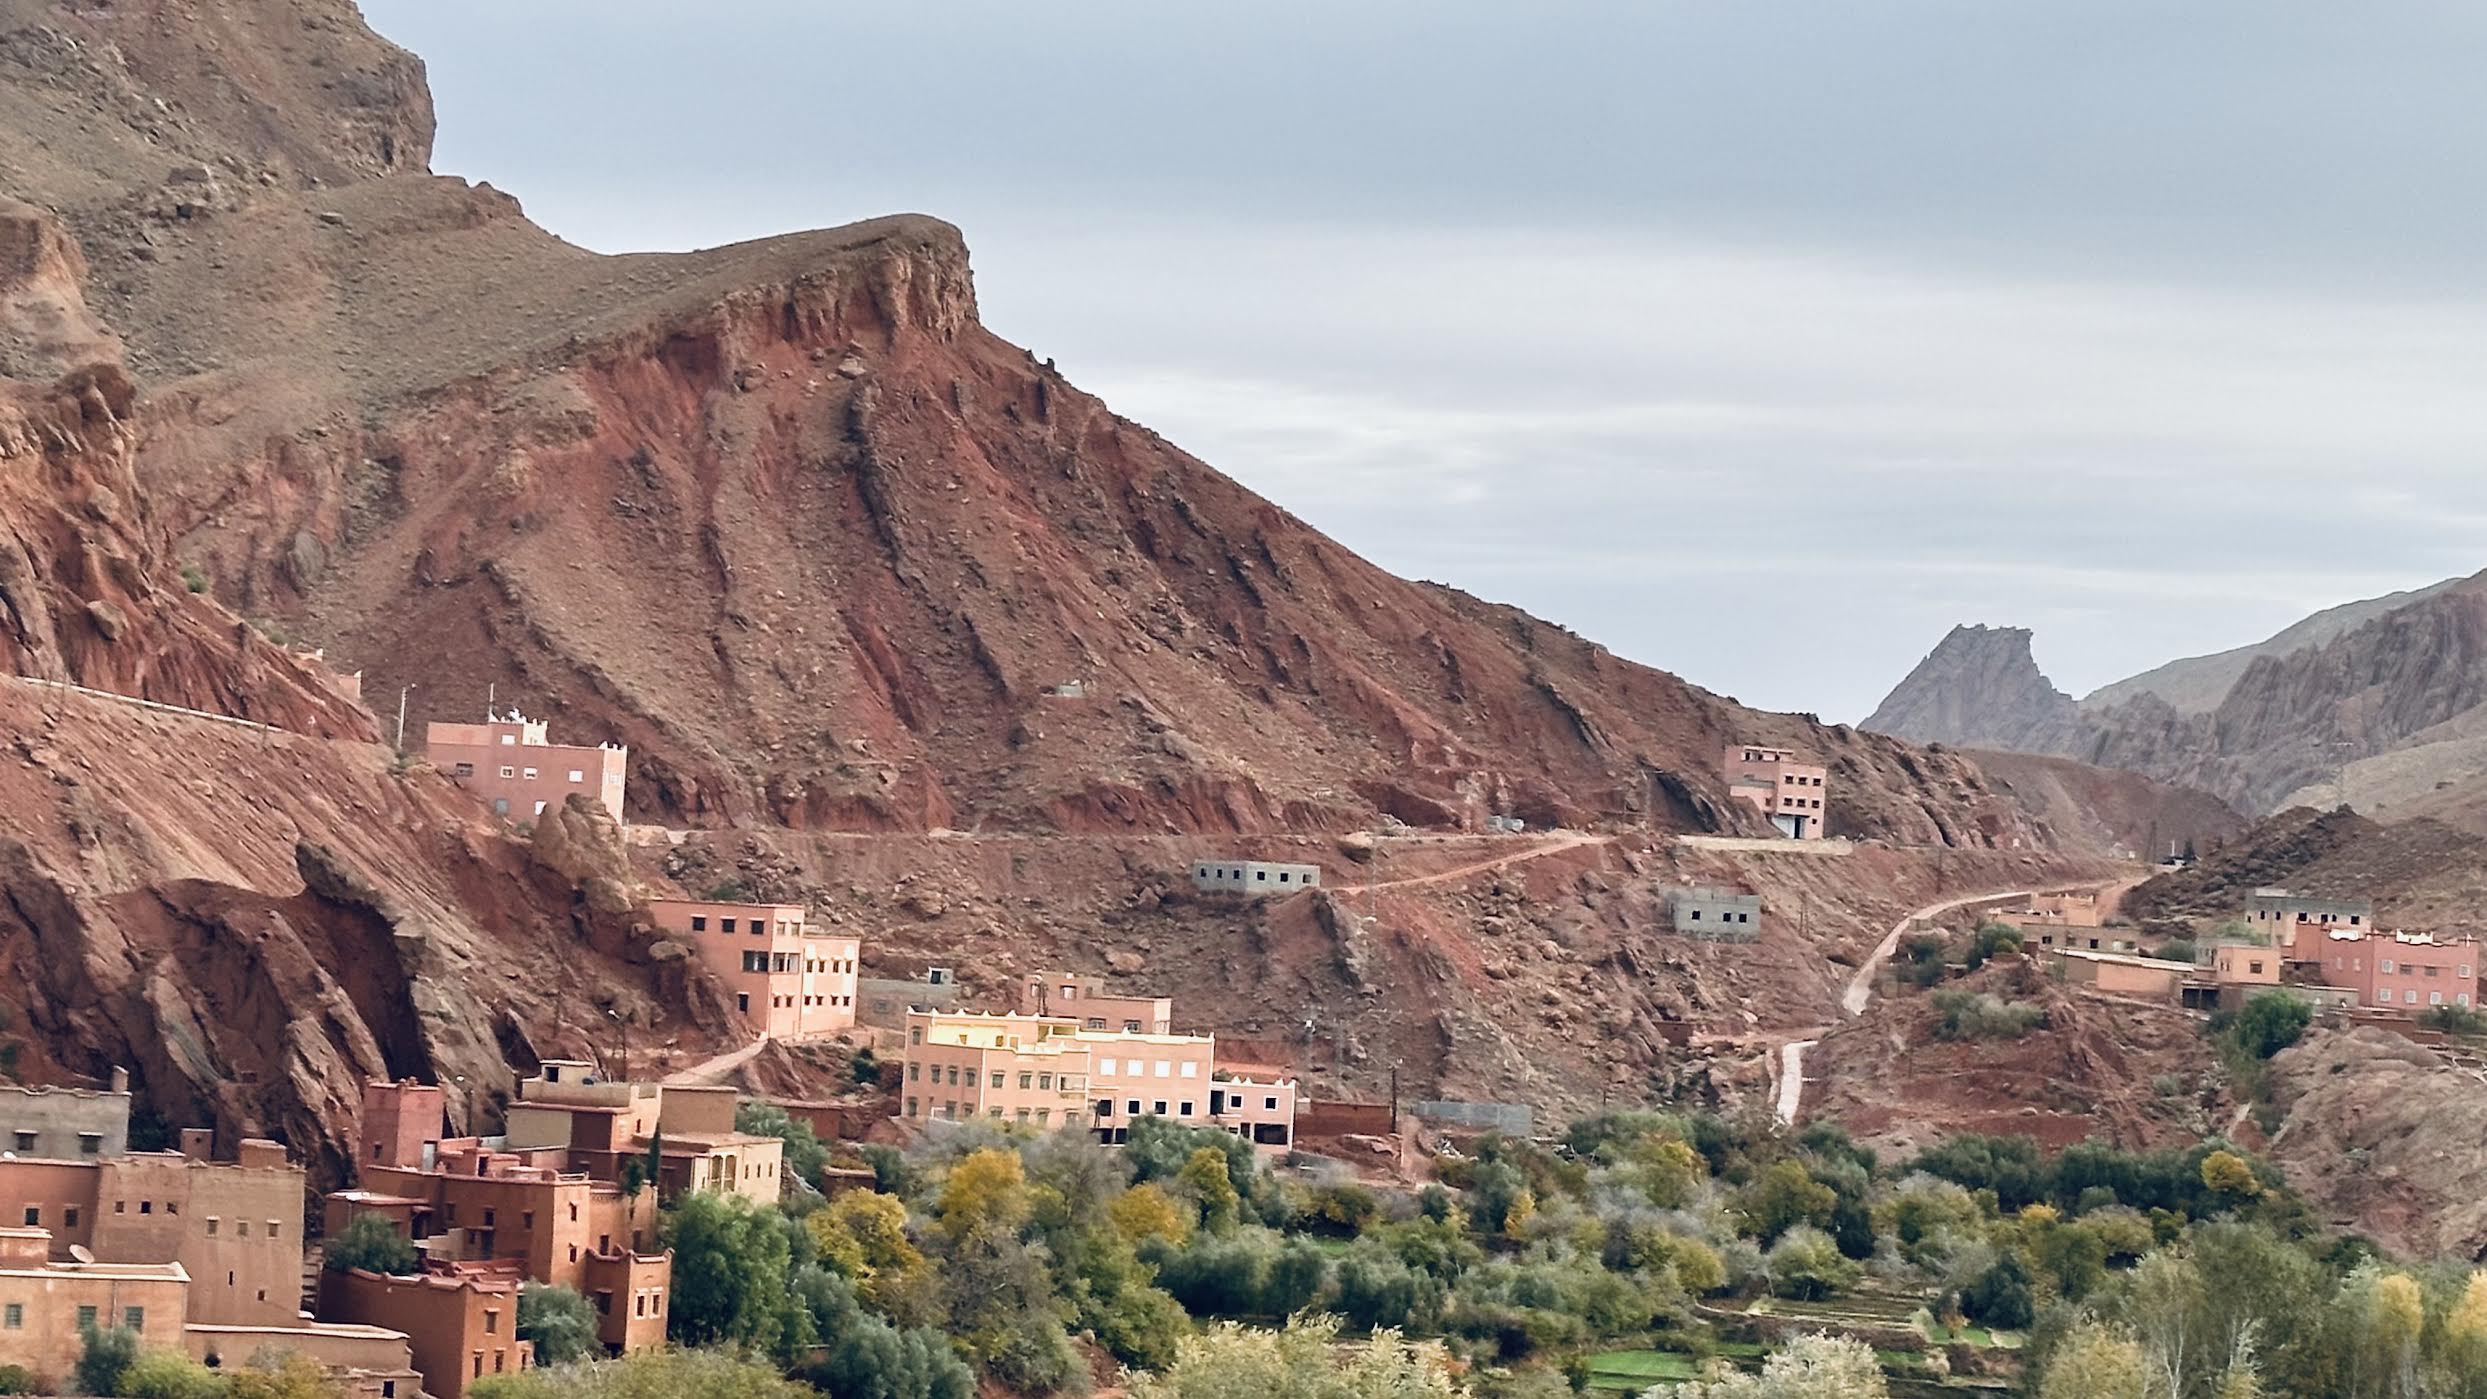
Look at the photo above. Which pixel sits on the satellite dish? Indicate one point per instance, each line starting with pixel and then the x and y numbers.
pixel 82 1253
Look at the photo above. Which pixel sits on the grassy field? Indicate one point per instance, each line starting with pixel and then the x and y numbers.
pixel 1630 1371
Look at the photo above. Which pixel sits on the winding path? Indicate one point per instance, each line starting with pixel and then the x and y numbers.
pixel 1860 992
pixel 711 1070
pixel 1568 840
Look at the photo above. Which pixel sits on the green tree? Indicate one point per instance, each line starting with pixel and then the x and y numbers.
pixel 805 1157
pixel 2000 1297
pixel 370 1242
pixel 1808 1367
pixel 559 1322
pixel 1786 1196
pixel 106 1356
pixel 650 1374
pixel 2270 1023
pixel 1300 1361
pixel 732 1261
pixel 1204 1178
pixel 17 1379
pixel 865 1357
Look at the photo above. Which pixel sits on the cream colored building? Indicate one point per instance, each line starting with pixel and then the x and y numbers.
pixel 1053 1071
pixel 45 1303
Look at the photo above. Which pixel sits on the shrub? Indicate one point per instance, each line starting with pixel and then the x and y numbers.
pixel 2000 1297
pixel 654 1374
pixel 2270 1023
pixel 373 1244
pixel 107 1357
pixel 2455 1020
pixel 166 1374
pixel 1976 1016
pixel 17 1379
pixel 193 578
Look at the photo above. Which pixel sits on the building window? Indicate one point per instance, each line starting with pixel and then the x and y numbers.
pixel 14 1318
pixel 1158 1107
pixel 2387 966
pixel 1184 1108
pixel 135 1318
pixel 211 1226
pixel 577 777
pixel 90 1143
pixel 1027 1079
pixel 34 1214
pixel 25 1143
pixel 997 1078
pixel 530 774
pixel 1190 1069
pixel 725 925
pixel 509 772
pixel 86 1318
pixel 146 1207
pixel 1105 1066
pixel 69 1217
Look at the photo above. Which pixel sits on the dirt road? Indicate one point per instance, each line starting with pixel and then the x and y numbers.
pixel 1860 990
pixel 1554 845
pixel 709 1071
pixel 1791 1080
pixel 1861 986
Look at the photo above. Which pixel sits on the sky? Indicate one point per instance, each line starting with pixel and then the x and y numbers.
pixel 1761 340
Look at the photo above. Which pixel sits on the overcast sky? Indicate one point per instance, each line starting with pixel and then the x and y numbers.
pixel 1761 341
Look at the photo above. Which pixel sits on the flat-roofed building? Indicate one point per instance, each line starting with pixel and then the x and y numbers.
pixel 2115 973
pixel 789 980
pixel 1087 1000
pixel 460 1323
pixel 2407 972
pixel 1788 790
pixel 510 764
pixel 2296 923
pixel 1253 878
pixel 66 1124
pixel 47 1303
pixel 1052 1071
pixel 1715 915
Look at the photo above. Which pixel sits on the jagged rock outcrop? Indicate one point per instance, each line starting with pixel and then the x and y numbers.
pixel 2288 725
pixel 1980 688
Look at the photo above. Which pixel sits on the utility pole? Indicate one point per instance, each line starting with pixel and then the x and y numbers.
pixel 401 719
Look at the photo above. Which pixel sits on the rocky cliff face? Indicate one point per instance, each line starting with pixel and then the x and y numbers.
pixel 1980 688
pixel 252 911
pixel 788 520
pixel 2290 723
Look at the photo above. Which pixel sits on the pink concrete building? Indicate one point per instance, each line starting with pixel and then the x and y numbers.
pixel 510 764
pixel 788 980
pixel 1086 1000
pixel 1052 1071
pixel 1791 793
pixel 2408 972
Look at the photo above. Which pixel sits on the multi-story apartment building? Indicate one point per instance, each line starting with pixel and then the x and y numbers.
pixel 2295 923
pixel 2408 972
pixel 511 764
pixel 1775 782
pixel 1053 1071
pixel 1085 999
pixel 788 980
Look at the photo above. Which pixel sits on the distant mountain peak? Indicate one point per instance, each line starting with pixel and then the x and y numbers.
pixel 1980 687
